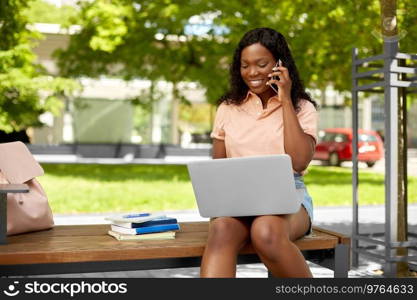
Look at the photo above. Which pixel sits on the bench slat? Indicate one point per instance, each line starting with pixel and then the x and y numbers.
pixel 343 239
pixel 86 243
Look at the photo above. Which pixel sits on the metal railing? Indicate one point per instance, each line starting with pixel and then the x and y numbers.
pixel 387 76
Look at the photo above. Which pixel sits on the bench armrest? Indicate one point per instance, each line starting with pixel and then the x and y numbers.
pixel 13 188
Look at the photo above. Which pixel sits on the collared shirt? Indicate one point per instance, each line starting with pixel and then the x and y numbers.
pixel 250 130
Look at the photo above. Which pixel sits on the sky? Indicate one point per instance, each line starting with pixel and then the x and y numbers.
pixel 61 2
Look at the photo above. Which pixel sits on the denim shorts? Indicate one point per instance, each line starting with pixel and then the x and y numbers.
pixel 306 201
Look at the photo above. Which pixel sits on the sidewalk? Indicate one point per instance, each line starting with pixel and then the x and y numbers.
pixel 334 218
pixel 379 167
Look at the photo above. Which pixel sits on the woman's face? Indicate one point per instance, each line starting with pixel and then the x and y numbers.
pixel 256 62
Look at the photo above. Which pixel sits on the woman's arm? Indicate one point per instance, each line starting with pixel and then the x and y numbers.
pixel 219 149
pixel 297 144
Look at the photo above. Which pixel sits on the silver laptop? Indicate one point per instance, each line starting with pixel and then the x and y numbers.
pixel 247 186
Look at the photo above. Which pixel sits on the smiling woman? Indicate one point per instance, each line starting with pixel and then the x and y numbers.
pixel 256 65
pixel 266 111
pixel 274 48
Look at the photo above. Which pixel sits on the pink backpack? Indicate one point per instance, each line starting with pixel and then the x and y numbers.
pixel 25 211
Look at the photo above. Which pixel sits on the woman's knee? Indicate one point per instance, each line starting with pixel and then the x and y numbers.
pixel 269 234
pixel 227 231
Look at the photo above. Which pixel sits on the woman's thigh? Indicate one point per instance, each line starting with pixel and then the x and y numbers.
pixel 229 229
pixel 292 226
pixel 299 224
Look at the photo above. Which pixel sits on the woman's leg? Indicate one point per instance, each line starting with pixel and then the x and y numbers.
pixel 226 237
pixel 272 238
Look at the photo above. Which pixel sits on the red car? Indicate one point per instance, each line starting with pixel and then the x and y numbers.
pixel 335 146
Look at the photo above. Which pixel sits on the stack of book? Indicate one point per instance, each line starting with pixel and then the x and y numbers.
pixel 143 226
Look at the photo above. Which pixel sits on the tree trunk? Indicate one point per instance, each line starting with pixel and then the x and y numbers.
pixel 402 267
pixel 389 31
pixel 388 18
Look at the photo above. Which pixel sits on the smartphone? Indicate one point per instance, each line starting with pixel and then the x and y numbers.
pixel 274 86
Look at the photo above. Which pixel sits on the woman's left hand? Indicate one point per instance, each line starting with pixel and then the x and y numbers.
pixel 284 82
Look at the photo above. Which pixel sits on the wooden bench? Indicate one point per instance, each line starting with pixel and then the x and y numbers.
pixel 88 248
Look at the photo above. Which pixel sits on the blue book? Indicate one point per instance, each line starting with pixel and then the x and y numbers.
pixel 156 221
pixel 144 230
pixel 134 217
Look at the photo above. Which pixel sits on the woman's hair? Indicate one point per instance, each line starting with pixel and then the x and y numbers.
pixel 277 45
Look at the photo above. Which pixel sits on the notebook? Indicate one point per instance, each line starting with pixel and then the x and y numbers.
pixel 247 186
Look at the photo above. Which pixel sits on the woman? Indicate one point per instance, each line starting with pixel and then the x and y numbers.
pixel 254 119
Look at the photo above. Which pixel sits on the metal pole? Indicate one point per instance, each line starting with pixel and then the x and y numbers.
pixel 4 189
pixel 391 156
pixel 355 224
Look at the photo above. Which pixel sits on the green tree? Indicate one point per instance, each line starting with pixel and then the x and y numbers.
pixel 26 91
pixel 133 38
pixel 146 39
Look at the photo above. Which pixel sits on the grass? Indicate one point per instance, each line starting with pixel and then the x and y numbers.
pixel 104 188
pixel 332 186
pixel 96 188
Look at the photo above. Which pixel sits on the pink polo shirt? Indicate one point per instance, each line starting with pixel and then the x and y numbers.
pixel 250 130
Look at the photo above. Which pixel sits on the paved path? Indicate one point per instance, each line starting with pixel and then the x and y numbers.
pixel 379 166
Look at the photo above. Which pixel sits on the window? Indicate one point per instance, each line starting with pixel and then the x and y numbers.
pixel 367 138
pixel 340 138
pixel 328 137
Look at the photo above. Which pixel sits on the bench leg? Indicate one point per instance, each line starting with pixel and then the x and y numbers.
pixel 341 261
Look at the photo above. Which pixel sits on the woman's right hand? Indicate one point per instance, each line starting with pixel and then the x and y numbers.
pixel 284 83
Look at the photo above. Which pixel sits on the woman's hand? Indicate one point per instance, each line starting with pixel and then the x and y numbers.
pixel 284 83
pixel 297 144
